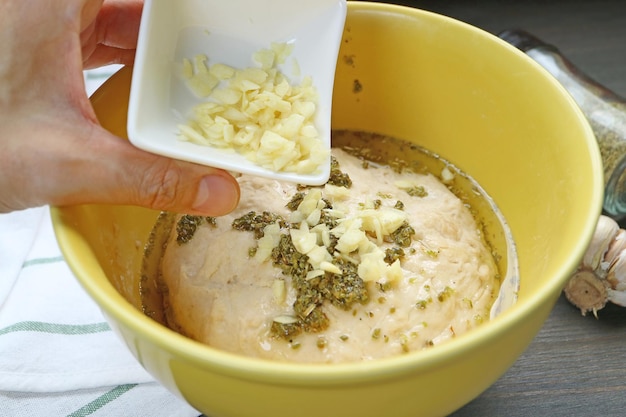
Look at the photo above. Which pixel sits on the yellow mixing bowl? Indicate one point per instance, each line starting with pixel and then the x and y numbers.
pixel 459 92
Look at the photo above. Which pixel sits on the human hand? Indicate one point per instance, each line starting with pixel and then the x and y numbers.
pixel 52 148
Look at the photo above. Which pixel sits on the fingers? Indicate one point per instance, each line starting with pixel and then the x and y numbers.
pixel 118 23
pixel 53 150
pixel 62 164
pixel 89 12
pixel 106 55
pixel 166 184
pixel 110 35
pixel 119 173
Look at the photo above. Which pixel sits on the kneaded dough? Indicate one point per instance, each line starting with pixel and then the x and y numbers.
pixel 219 295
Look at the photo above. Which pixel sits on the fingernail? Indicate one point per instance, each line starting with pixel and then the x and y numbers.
pixel 216 195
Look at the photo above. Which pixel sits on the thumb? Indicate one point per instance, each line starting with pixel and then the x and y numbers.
pixel 87 164
pixel 128 175
pixel 70 160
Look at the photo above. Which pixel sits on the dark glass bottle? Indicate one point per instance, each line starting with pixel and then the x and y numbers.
pixel 605 111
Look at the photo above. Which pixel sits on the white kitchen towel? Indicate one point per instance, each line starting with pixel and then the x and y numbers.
pixel 17 234
pixel 52 335
pixel 129 400
pixel 58 356
pixel 96 77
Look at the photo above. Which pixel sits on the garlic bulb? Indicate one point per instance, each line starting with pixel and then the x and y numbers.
pixel 601 276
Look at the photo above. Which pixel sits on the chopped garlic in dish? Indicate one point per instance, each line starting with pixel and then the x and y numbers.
pixel 256 111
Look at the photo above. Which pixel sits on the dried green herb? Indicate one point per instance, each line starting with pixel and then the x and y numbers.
pixel 253 222
pixel 347 288
pixel 295 201
pixel 393 254
pixel 321 342
pixel 445 294
pixel 422 304
pixel 331 223
pixel 403 235
pixel 316 321
pixel 188 224
pixel 286 330
pixel 337 177
pixel 417 191
pixel 341 290
pixel 611 140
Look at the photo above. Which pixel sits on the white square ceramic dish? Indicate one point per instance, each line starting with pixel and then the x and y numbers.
pixel 228 32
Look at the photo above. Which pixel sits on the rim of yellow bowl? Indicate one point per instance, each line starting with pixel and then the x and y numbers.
pixel 270 371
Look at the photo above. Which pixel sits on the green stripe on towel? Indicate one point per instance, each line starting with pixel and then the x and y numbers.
pixel 42 261
pixel 101 401
pixel 56 328
pixel 99 75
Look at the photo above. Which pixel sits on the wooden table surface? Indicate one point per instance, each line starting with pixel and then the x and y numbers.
pixel 576 366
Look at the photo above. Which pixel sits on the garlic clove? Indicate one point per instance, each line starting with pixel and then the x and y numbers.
pixel 606 231
pixel 616 275
pixel 601 276
pixel 615 249
pixel 617 297
pixel 587 291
